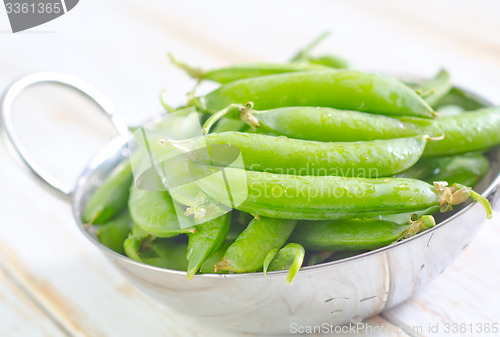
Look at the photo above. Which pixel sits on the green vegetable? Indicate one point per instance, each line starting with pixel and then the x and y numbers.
pixel 245 70
pixel 111 197
pixel 208 238
pixel 320 124
pixel 356 234
pixel 376 158
pixel 298 178
pixel 249 251
pixel 467 132
pixel 155 213
pixel 347 90
pixel 319 198
pixel 436 88
pixel 113 233
pixel 465 169
pixel 289 257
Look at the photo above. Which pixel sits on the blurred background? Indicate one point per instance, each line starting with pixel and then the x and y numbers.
pixel 54 282
pixel 121 47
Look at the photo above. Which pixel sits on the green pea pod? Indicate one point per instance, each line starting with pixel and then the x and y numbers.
pixel 318 257
pixel 343 89
pixel 111 197
pixel 245 70
pixel 319 198
pixel 405 218
pixel 376 158
pixel 465 169
pixel 166 253
pixel 239 222
pixel 186 194
pixel 421 170
pixel 316 198
pixel 336 256
pixel 207 240
pixel 320 124
pixel 132 245
pixel 269 257
pixel 436 88
pixel 325 256
pixel 208 267
pixel 356 234
pixel 467 132
pixel 197 202
pixel 304 54
pixel 228 124
pixel 249 251
pixel 113 233
pixel 461 98
pixel 146 248
pixel 155 213
pixel 289 257
pixel 332 61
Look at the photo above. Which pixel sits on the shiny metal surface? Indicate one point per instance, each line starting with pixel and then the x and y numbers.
pixel 10 134
pixel 336 292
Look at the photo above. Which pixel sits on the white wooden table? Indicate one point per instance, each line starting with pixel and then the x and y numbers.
pixel 53 282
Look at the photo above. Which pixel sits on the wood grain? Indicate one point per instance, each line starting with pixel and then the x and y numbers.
pixel 20 315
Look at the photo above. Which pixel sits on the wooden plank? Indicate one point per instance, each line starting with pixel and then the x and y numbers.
pixel 19 315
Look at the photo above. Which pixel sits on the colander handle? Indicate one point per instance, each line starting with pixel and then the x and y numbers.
pixel 42 176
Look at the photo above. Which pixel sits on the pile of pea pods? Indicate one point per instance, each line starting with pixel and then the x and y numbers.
pixel 359 160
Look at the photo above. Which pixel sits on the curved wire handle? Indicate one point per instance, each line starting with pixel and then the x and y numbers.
pixel 17 87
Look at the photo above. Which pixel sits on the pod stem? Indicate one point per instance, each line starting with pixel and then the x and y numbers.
pixel 429 138
pixel 483 201
pixel 281 258
pixel 269 258
pixel 297 261
pixel 247 115
pixel 303 54
pixel 204 207
pixel 223 265
pixel 418 226
pixel 233 111
pixel 194 72
pixel 191 95
pixel 425 93
pixel 457 194
pixel 163 101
